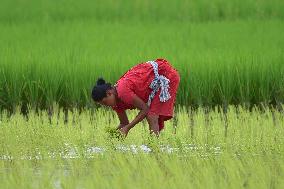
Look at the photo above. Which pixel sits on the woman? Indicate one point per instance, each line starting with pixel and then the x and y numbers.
pixel 150 87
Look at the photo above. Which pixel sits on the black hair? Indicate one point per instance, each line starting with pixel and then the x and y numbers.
pixel 99 90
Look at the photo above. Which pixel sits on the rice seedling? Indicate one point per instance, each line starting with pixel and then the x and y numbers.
pixel 83 152
pixel 114 133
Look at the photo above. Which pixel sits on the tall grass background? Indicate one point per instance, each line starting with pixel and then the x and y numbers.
pixel 227 52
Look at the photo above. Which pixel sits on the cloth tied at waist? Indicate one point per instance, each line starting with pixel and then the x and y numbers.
pixel 159 81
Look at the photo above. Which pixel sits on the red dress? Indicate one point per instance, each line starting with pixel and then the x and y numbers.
pixel 137 80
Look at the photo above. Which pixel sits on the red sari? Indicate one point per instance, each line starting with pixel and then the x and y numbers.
pixel 137 80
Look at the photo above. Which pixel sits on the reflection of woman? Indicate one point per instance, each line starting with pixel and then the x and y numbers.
pixel 150 87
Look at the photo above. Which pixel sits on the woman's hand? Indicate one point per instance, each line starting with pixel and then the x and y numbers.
pixel 124 125
pixel 124 130
pixel 144 109
pixel 120 126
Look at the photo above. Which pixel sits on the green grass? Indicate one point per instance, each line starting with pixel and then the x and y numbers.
pixel 39 151
pixel 239 62
pixel 16 11
pixel 227 52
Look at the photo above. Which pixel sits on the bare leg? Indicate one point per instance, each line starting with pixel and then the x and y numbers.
pixel 153 123
pixel 161 122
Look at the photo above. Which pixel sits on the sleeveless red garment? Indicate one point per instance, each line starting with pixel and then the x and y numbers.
pixel 137 80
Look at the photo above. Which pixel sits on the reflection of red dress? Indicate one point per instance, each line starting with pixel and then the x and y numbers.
pixel 137 80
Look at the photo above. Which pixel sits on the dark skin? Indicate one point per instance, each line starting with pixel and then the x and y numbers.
pixel 111 99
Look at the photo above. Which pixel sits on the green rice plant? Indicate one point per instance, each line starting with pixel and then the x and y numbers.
pixel 114 133
pixel 46 151
pixel 223 66
pixel 140 10
pixel 227 52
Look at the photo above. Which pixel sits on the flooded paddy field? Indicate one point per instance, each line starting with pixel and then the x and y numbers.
pixel 197 149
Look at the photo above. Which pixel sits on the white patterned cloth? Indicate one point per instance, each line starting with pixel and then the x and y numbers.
pixel 159 81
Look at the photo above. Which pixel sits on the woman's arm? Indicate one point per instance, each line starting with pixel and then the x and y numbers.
pixel 122 118
pixel 143 107
pixel 128 96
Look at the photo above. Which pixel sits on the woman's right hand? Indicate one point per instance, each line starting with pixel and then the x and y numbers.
pixel 120 126
pixel 124 130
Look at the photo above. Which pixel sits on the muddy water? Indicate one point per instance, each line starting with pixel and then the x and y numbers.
pixel 72 152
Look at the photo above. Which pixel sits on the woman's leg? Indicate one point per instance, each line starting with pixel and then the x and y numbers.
pixel 161 122
pixel 156 122
pixel 152 120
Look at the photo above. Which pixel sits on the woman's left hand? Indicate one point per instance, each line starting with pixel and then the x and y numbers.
pixel 124 130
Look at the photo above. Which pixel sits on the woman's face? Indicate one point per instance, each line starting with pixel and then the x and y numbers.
pixel 109 100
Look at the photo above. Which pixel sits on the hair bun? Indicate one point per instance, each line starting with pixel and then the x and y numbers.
pixel 101 81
